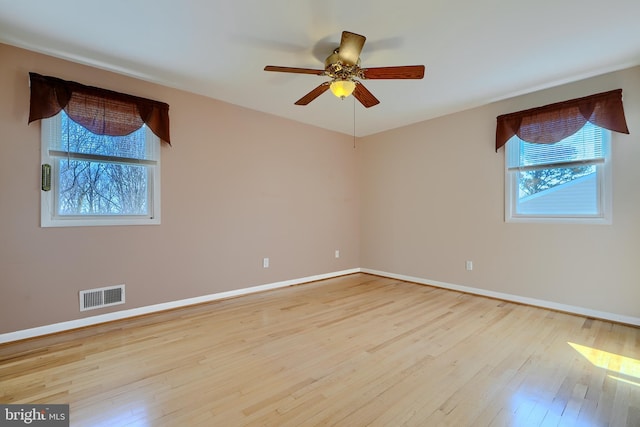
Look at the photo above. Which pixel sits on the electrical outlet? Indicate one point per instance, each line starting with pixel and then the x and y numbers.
pixel 265 263
pixel 337 253
pixel 469 265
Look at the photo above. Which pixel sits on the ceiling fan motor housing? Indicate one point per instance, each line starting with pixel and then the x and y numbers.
pixel 337 70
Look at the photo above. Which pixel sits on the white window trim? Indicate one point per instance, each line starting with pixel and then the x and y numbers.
pixel 48 218
pixel 605 188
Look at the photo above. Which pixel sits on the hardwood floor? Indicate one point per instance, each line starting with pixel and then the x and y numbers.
pixel 351 351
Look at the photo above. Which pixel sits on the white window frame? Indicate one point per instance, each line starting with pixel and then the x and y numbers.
pixel 51 128
pixel 603 184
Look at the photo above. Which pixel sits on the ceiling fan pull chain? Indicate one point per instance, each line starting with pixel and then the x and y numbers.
pixel 354 123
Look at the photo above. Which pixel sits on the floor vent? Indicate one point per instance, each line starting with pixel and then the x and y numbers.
pixel 101 297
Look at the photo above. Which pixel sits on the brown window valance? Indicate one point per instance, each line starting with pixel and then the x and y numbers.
pixel 102 111
pixel 554 122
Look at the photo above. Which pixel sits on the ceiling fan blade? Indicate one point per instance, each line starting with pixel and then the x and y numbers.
pixel 294 70
pixel 365 97
pixel 350 47
pixel 313 94
pixel 401 72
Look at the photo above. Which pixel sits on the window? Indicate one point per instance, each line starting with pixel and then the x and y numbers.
pixel 562 173
pixel 566 181
pixel 100 153
pixel 99 179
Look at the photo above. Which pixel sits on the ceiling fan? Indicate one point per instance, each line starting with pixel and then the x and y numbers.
pixel 343 67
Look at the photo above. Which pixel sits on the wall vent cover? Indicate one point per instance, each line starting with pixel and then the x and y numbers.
pixel 91 299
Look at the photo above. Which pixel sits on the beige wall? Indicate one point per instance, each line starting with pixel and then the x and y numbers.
pixel 237 186
pixel 240 185
pixel 433 197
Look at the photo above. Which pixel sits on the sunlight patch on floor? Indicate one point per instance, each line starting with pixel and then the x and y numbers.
pixel 624 380
pixel 610 361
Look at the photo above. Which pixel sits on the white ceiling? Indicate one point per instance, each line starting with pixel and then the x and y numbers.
pixel 475 51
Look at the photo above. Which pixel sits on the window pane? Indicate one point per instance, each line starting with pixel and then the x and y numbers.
pixel 559 191
pixel 97 188
pixel 535 181
pixel 77 139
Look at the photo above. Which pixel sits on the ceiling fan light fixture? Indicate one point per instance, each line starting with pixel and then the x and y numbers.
pixel 342 88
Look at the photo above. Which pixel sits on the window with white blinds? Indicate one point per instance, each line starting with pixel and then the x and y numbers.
pixel 566 181
pixel 96 179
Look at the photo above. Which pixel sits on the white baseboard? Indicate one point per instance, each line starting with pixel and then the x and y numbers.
pixel 619 318
pixel 123 314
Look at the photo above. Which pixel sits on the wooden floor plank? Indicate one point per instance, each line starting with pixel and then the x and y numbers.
pixel 355 350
